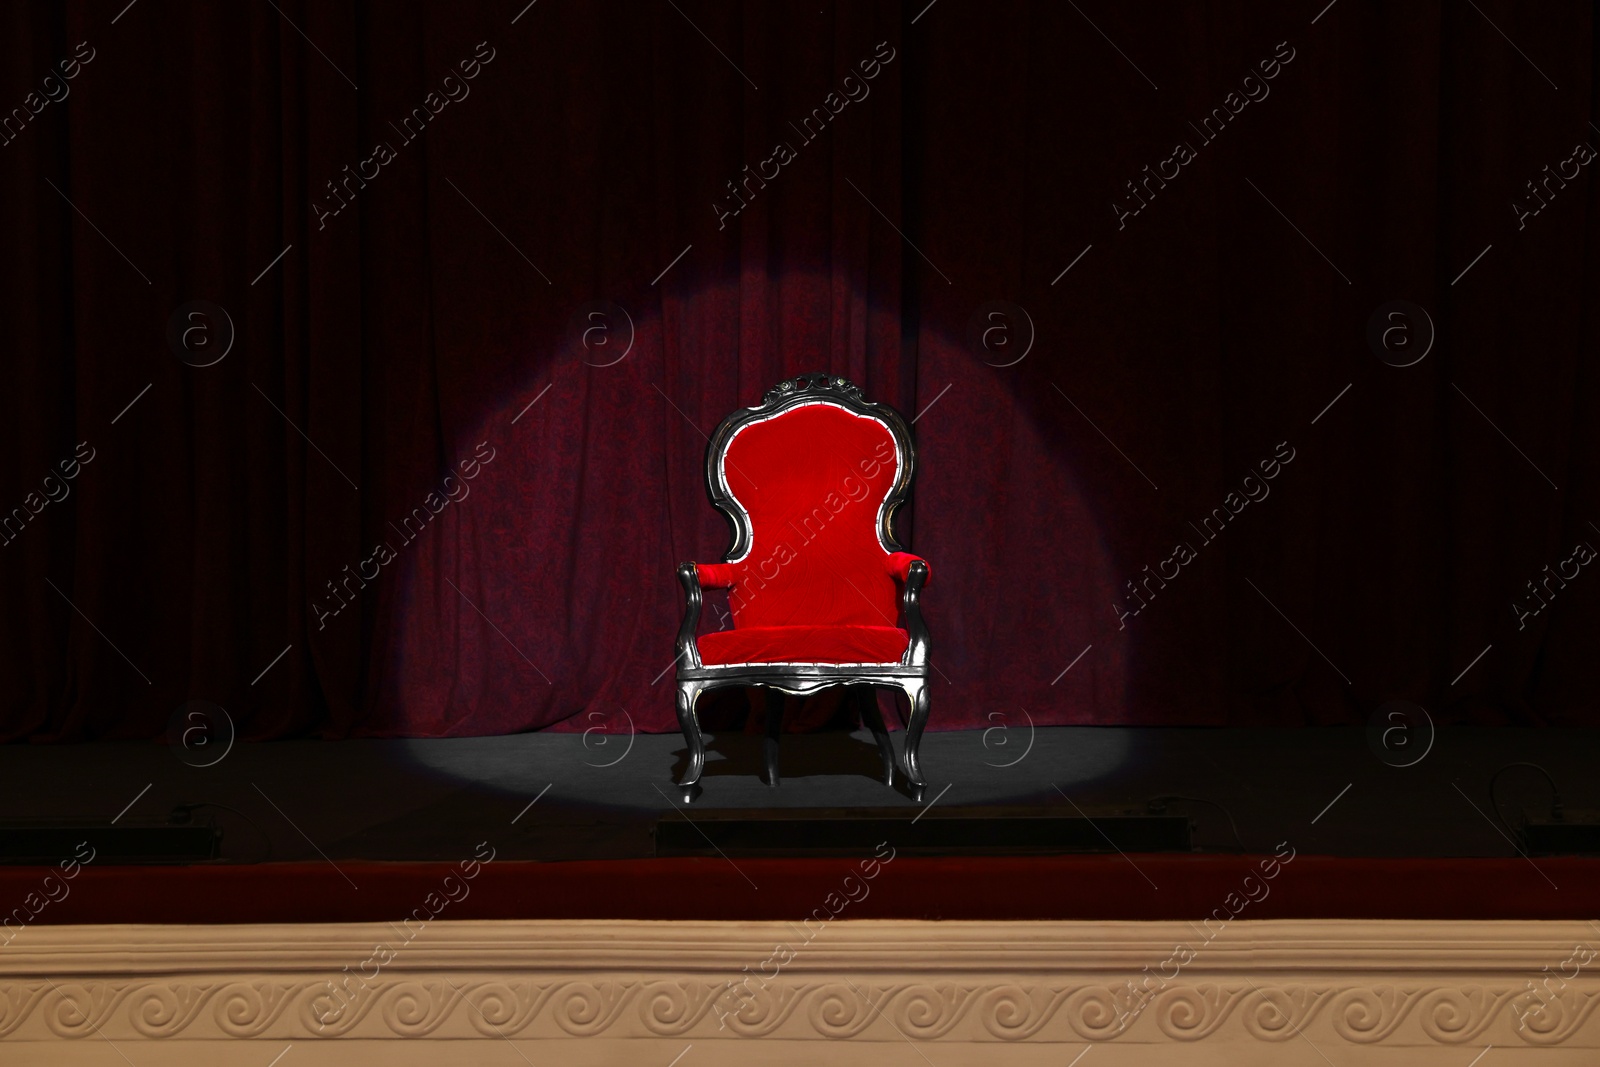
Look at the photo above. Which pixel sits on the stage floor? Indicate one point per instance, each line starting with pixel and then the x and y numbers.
pixel 570 796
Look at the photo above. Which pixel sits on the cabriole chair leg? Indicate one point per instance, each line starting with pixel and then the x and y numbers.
pixel 688 696
pixel 880 733
pixel 774 734
pixel 917 696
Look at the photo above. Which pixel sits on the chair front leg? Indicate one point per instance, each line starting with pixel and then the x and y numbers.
pixel 917 694
pixel 774 733
pixel 688 657
pixel 688 696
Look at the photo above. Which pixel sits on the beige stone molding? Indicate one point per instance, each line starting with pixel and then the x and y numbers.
pixel 1404 992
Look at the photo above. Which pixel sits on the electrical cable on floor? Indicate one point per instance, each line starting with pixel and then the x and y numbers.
pixel 1555 793
pixel 1160 800
pixel 189 808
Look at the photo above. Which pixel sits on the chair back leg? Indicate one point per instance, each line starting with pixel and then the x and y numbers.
pixel 917 696
pixel 774 733
pixel 688 697
pixel 873 716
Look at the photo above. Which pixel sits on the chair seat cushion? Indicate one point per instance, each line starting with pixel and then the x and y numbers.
pixel 804 644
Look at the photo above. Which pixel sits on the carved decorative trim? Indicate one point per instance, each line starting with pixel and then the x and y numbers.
pixel 1456 985
pixel 476 1004
pixel 812 383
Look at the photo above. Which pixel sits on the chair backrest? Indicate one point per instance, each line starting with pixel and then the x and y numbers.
pixel 809 480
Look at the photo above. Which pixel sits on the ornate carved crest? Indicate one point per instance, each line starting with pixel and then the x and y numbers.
pixel 813 383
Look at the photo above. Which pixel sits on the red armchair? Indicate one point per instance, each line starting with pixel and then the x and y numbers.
pixel 821 594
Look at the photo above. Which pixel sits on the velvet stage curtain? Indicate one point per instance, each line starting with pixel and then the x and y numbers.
pixel 382 342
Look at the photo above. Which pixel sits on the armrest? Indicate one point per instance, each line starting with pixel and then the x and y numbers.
pixel 900 566
pixel 714 575
pixel 914 573
pixel 688 650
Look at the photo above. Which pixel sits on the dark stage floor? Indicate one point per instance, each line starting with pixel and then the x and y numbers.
pixel 565 796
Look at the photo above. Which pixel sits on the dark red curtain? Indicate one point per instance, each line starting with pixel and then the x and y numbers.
pixel 310 413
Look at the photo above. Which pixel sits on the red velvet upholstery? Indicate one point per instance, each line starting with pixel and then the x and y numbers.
pixel 804 644
pixel 817 584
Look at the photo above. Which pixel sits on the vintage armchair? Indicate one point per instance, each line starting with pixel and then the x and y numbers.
pixel 809 480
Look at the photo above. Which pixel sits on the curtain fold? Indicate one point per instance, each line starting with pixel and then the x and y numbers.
pixel 486 276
